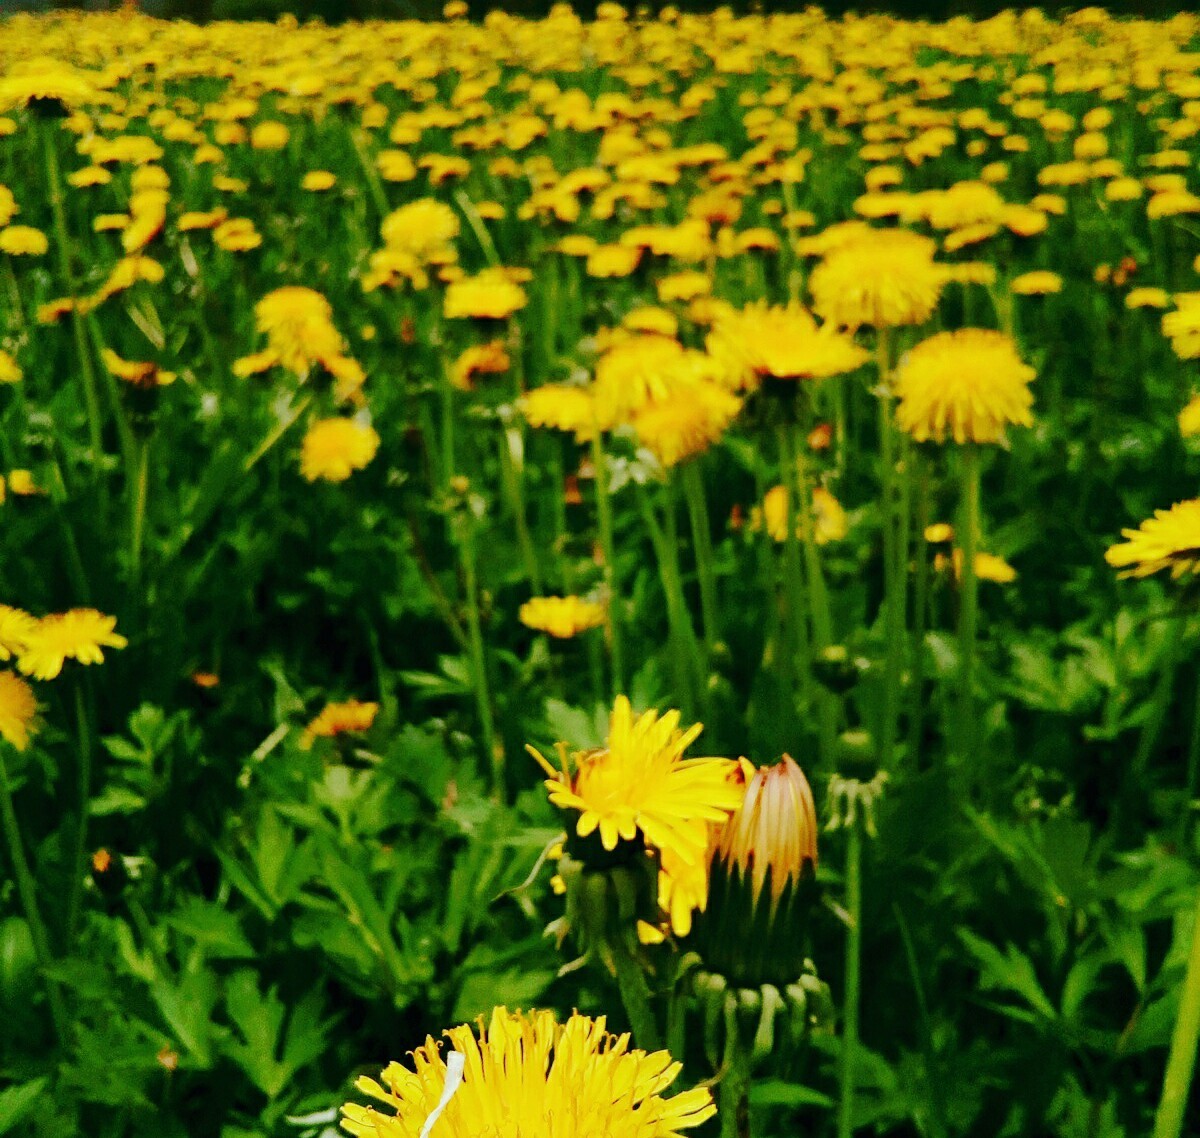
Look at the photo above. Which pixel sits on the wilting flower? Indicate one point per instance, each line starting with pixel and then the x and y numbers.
pixel 1169 540
pixel 640 785
pixel 78 634
pixel 18 709
pixel 334 448
pixel 563 617
pixel 338 719
pixel 527 1076
pixel 970 383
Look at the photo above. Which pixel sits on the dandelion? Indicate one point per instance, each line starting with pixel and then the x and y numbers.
pixel 351 716
pixel 970 384
pixel 1169 540
pixel 562 617
pixel 78 634
pixel 334 448
pixel 18 710
pixel 527 1076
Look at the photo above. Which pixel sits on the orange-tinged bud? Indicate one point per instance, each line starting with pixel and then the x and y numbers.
pixel 821 436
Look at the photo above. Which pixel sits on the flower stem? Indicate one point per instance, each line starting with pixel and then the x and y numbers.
pixel 1181 1059
pixel 920 604
pixel 79 854
pixel 27 889
pixel 797 607
pixel 494 752
pixel 853 967
pixel 511 445
pixel 63 248
pixel 969 610
pixel 734 1101
pixel 137 519
pixel 635 996
pixel 693 490
pixel 605 519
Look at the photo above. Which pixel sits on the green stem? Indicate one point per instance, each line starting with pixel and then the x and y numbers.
pixel 894 579
pixel 693 490
pixel 137 519
pixel 920 594
pixel 494 753
pixel 1161 699
pixel 1193 771
pixel 27 889
pixel 853 966
pixel 969 603
pixel 635 996
pixel 605 520
pixel 275 434
pixel 734 1102
pixel 510 440
pixel 63 249
pixel 1181 1059
pixel 797 608
pixel 79 858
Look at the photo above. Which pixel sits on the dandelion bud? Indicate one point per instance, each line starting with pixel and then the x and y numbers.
pixel 761 882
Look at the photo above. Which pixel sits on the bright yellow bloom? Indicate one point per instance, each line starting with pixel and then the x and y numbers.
pixel 1182 326
pixel 318 180
pixel 491 294
pixel 338 719
pixel 1189 418
pixel 527 1076
pixel 1147 297
pixel 829 517
pixel 10 372
pixel 18 708
pixel 884 278
pixel 334 448
pixel 693 417
pixel 269 136
pixel 16 627
pixel 970 383
pixel 78 634
pixel 1169 540
pixel 1037 283
pixel 563 617
pixel 641 784
pixel 23 240
pixel 480 359
pixel 988 567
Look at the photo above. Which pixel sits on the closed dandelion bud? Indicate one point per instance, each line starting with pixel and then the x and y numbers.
pixel 761 882
pixel 836 669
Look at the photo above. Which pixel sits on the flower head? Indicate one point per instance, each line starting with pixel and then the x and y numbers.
pixel 18 708
pixel 882 278
pixel 491 294
pixel 78 634
pixel 337 719
pixel 334 448
pixel 527 1076
pixel 970 383
pixel 562 617
pixel 1169 540
pixel 641 785
pixel 1182 326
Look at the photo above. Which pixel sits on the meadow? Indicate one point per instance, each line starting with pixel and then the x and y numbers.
pixel 412 432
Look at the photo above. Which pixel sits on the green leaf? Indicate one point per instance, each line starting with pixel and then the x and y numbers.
pixel 1010 970
pixel 17 1101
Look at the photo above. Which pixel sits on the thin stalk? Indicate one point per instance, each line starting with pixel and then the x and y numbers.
pixel 693 492
pixel 63 249
pixel 969 603
pixel 446 406
pixel 27 890
pixel 1181 1060
pixel 920 606
pixel 137 518
pixel 635 996
pixel 1193 771
pixel 797 607
pixel 1161 699
pixel 894 580
pixel 510 480
pixel 79 854
pixel 733 1094
pixel 479 680
pixel 275 434
pixel 853 970
pixel 605 520
pixel 799 490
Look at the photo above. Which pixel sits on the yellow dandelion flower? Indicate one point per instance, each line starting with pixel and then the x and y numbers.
pixel 563 617
pixel 10 372
pixel 334 448
pixel 318 180
pixel 884 279
pixel 78 634
pixel 491 294
pixel 338 719
pixel 1147 297
pixel 269 136
pixel 16 627
pixel 18 710
pixel 640 784
pixel 527 1076
pixel 693 417
pixel 23 240
pixel 562 407
pixel 1037 283
pixel 480 359
pixel 1182 327
pixel 1169 540
pixel 970 383
pixel 1189 419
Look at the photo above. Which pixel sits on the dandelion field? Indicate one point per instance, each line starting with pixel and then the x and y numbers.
pixel 411 433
